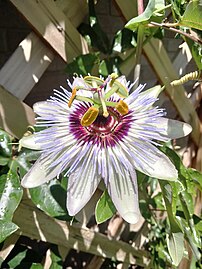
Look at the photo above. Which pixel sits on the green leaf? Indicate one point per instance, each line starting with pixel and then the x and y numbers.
pixel 10 195
pixel 51 198
pixel 124 40
pixel 108 66
pixel 18 259
pixel 175 243
pixel 105 208
pixel 4 160
pixel 195 175
pixel 22 163
pixel 168 197
pixel 154 10
pixel 56 258
pixel 5 144
pixel 196 50
pixel 193 14
pixel 6 229
pixel 83 64
pixel 36 266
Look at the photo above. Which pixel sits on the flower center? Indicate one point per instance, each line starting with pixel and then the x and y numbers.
pixel 102 125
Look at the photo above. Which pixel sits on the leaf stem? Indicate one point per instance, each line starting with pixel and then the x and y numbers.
pixel 169 26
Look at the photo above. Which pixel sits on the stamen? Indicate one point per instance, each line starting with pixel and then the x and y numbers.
pixel 90 116
pixel 104 107
pixel 74 91
pixel 122 107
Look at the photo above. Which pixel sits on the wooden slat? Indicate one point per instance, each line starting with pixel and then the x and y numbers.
pixel 183 58
pixel 163 67
pixel 75 11
pixel 26 65
pixel 52 24
pixel 35 224
pixel 15 116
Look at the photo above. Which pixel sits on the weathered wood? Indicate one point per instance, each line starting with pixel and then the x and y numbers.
pixel 75 11
pixel 26 65
pixel 15 116
pixel 34 225
pixel 183 58
pixel 8 245
pixel 163 67
pixel 52 24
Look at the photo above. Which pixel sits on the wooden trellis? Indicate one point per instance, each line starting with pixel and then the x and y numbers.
pixel 54 32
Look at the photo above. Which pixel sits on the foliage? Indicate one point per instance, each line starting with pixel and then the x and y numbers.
pixel 168 212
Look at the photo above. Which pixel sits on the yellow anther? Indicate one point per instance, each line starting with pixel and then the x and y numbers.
pixel 72 97
pixel 122 107
pixel 90 116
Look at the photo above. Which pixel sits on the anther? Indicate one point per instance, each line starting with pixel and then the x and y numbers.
pixel 72 97
pixel 90 116
pixel 122 107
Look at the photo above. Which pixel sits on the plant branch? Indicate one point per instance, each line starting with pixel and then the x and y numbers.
pixel 169 26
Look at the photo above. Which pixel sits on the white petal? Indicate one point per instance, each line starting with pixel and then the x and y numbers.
pixel 174 128
pixel 124 193
pixel 29 142
pixel 152 92
pixel 81 187
pixel 153 162
pixel 40 173
pixel 40 107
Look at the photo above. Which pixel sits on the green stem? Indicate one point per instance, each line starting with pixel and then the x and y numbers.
pixel 140 39
pixel 86 99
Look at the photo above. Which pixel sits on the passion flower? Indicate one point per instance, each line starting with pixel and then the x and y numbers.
pixel 101 133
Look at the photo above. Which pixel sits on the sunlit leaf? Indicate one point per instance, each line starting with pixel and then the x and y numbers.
pixel 51 198
pixel 105 208
pixel 36 266
pixel 154 9
pixel 175 243
pixel 193 14
pixel 124 40
pixel 83 64
pixel 5 144
pixel 10 195
pixel 108 66
pixel 6 229
pixel 22 162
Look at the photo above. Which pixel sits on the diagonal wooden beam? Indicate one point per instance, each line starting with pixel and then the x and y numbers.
pixel 54 26
pixel 25 66
pixel 15 115
pixel 34 225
